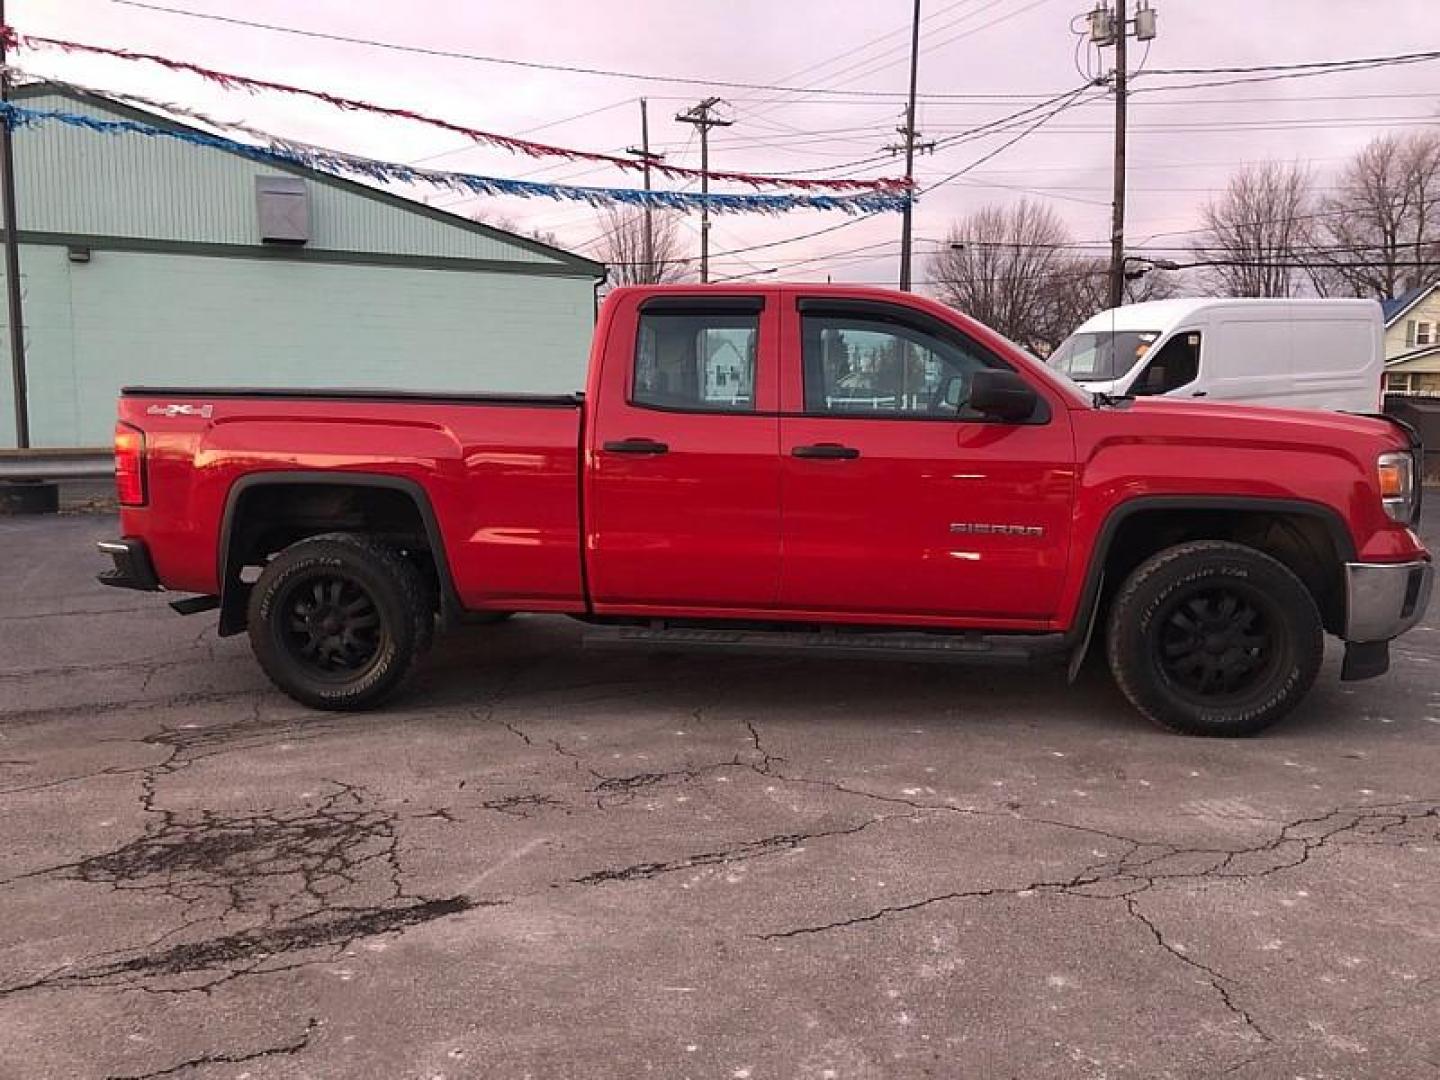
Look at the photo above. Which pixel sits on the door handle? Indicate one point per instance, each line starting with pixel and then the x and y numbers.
pixel 1198 393
pixel 636 446
pixel 826 450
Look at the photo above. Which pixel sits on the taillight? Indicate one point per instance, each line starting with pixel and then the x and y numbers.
pixel 129 465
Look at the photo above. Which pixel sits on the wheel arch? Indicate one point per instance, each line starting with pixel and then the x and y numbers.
pixel 1121 545
pixel 238 536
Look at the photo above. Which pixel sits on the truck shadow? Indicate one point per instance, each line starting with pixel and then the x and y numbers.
pixel 543 657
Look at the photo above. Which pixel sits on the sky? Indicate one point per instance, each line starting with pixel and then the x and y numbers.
pixel 979 60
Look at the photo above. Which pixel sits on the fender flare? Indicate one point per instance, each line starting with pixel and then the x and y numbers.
pixel 234 594
pixel 1088 608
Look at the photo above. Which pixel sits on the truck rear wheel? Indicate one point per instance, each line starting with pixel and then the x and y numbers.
pixel 337 621
pixel 1214 638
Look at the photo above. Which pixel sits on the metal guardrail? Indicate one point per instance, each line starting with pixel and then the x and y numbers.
pixel 50 464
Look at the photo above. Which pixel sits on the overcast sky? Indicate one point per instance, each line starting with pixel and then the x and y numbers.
pixel 1183 143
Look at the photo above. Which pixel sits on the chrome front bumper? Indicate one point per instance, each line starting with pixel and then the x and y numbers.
pixel 1383 600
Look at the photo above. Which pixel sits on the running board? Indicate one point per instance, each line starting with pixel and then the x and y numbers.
pixel 973 648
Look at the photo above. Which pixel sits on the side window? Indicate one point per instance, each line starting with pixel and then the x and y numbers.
pixel 698 363
pixel 866 366
pixel 1175 365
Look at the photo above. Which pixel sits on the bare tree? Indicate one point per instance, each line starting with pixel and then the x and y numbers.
pixel 1015 269
pixel 506 223
pixel 1004 266
pixel 1259 232
pixel 1381 227
pixel 623 247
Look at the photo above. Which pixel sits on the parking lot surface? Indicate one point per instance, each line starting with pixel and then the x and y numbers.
pixel 547 862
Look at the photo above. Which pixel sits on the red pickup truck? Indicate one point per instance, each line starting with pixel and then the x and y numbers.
pixel 786 467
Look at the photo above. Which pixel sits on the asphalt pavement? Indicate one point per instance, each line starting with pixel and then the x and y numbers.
pixel 546 862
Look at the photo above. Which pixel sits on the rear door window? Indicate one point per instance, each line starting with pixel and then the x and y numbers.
pixel 700 362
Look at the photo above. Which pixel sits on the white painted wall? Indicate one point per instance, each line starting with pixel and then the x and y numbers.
pixel 133 318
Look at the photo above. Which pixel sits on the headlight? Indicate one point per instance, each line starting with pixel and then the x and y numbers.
pixel 1397 485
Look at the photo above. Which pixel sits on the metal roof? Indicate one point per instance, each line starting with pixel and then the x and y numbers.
pixel 78 182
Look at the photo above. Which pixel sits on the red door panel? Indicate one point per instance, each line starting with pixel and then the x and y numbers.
pixel 901 527
pixel 898 500
pixel 683 476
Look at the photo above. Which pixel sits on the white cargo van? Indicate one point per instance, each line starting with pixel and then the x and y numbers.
pixel 1304 354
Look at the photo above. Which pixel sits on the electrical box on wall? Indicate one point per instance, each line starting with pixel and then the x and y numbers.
pixel 282 206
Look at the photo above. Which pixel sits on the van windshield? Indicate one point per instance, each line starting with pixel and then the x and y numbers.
pixel 1102 356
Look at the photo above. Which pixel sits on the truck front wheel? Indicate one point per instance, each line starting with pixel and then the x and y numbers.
pixel 1214 638
pixel 337 621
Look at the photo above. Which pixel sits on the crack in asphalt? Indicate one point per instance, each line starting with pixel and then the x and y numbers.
pixel 31 616
pixel 287 1049
pixel 526 805
pixel 1220 982
pixel 619 790
pixel 257 951
pixel 1140 875
pixel 93 709
pixel 1136 873
pixel 749 849
pixel 317 876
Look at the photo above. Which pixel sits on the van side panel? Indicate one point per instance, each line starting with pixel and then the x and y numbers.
pixel 1299 355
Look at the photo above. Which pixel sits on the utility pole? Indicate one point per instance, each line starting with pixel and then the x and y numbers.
pixel 1107 28
pixel 910 145
pixel 703 117
pixel 647 159
pixel 12 263
pixel 908 131
pixel 1117 205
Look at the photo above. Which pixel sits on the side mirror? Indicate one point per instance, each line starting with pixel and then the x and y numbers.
pixel 1003 395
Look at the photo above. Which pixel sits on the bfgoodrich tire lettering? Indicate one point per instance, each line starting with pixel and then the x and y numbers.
pixel 337 621
pixel 1214 638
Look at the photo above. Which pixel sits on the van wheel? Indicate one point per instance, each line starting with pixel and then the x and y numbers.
pixel 337 621
pixel 1214 638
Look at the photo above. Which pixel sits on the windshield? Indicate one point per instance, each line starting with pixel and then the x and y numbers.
pixel 1103 356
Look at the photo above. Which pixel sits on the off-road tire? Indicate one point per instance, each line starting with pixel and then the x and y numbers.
pixel 1270 643
pixel 396 607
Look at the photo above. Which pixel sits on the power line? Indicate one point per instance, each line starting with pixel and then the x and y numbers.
pixel 530 130
pixel 776 103
pixel 1351 62
pixel 1281 76
pixel 867 217
pixel 453 54
pixel 1035 126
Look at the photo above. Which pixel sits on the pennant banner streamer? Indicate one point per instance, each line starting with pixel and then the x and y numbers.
pixel 338 163
pixel 231 81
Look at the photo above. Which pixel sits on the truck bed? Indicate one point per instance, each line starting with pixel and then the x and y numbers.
pixel 495 476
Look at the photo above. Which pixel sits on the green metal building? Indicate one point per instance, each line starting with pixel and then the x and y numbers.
pixel 147 260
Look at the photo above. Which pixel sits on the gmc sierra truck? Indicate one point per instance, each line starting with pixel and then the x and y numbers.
pixel 786 467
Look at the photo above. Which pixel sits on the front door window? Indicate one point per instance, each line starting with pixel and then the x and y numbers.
pixel 1177 364
pixel 862 366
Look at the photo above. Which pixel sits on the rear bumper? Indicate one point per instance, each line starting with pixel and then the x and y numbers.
pixel 1383 600
pixel 133 568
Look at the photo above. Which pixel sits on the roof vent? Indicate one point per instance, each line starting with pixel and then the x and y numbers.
pixel 282 205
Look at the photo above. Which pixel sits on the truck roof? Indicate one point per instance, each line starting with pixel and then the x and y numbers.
pixel 1163 314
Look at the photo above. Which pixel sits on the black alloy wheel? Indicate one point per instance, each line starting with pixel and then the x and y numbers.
pixel 331 624
pixel 1216 641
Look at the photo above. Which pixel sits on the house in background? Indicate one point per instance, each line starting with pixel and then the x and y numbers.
pixel 150 260
pixel 1412 342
